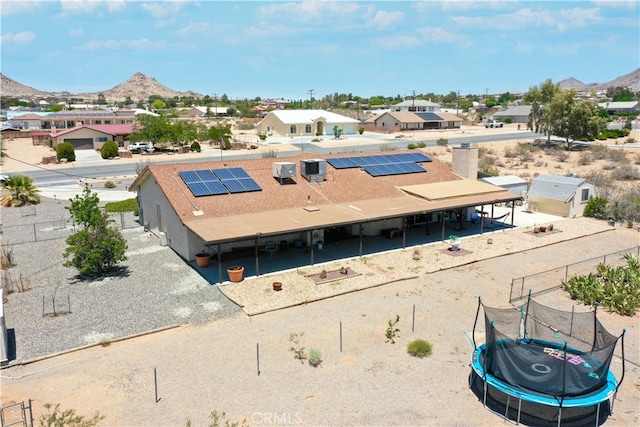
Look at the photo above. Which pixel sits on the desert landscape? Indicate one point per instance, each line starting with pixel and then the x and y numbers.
pixel 243 364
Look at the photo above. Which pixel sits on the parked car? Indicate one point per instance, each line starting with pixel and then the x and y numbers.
pixel 491 123
pixel 3 179
pixel 141 146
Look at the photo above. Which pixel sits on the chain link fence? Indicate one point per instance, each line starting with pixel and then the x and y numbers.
pixel 550 280
pixel 57 229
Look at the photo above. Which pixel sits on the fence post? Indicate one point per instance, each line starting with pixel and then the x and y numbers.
pixel 566 272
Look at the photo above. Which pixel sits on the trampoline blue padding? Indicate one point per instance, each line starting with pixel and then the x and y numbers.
pixel 590 399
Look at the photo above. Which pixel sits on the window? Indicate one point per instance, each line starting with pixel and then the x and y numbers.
pixel 102 139
pixel 585 195
pixel 293 129
pixel 307 129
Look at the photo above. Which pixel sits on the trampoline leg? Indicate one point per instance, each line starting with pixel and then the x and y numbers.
pixel 506 409
pixel 598 414
pixel 559 416
pixel 519 409
pixel 484 398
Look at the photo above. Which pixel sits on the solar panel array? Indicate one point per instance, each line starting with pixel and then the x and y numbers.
pixel 212 182
pixel 382 165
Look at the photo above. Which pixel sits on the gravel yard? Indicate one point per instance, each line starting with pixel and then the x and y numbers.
pixel 152 289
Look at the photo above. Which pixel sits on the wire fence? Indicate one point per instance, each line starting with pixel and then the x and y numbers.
pixel 549 280
pixel 57 229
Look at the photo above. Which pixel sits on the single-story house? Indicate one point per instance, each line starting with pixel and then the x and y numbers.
pixel 402 121
pixel 512 183
pixel 517 114
pixel 29 121
pixel 620 107
pixel 92 137
pixel 211 111
pixel 222 207
pixel 305 122
pixel 559 195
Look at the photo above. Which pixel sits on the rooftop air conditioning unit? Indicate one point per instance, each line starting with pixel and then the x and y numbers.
pixel 284 170
pixel 314 170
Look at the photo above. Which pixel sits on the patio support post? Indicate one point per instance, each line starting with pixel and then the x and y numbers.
pixel 257 257
pixel 360 234
pixel 219 263
pixel 404 232
pixel 310 239
pixel 513 210
pixel 442 223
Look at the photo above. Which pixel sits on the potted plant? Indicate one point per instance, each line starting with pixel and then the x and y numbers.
pixel 455 242
pixel 236 273
pixel 202 259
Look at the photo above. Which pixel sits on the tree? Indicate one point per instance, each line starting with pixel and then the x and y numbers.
pixel 98 245
pixel 20 192
pixel 65 150
pixel 337 131
pixel 596 207
pixel 159 105
pixel 539 97
pixel 584 121
pixel 109 149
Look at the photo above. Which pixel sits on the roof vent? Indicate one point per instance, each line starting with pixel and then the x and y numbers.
pixel 284 172
pixel 314 170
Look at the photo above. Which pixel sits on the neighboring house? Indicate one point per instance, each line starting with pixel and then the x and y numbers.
pixel 72 118
pixel 401 121
pixel 306 122
pixel 517 114
pixel 308 206
pixel 29 121
pixel 92 137
pixel 512 183
pixel 559 195
pixel 212 111
pixel 416 106
pixel 620 107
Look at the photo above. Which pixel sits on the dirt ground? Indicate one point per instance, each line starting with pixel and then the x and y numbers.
pixel 244 366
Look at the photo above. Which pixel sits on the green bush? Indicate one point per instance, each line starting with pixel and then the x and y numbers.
pixel 360 131
pixel 616 288
pixel 128 205
pixel 315 357
pixel 442 142
pixel 421 144
pixel 65 150
pixel 109 149
pixel 419 348
pixel 110 184
pixel 196 147
pixel 596 207
pixel 411 146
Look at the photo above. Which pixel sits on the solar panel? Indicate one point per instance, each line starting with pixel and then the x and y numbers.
pixel 203 183
pixel 236 180
pixel 393 169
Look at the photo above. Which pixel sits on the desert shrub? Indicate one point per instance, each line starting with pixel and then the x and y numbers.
pixel 392 330
pixel 510 152
pixel 630 141
pixel 110 184
pixel 616 288
pixel 626 173
pixel 538 164
pixel 63 418
pixel 360 130
pixel 596 207
pixel 442 142
pixel 508 120
pixel 315 357
pixel 297 348
pixel 527 156
pixel 584 159
pixel 419 348
pixel 562 156
pixel 65 150
pixel 109 149
pixel 196 147
pixel 411 146
pixel 421 144
pixel 636 159
pixel 262 136
pixel 598 151
pixel 618 156
pixel 609 166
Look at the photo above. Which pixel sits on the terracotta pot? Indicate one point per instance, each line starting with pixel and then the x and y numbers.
pixel 202 260
pixel 277 286
pixel 235 273
pixel 543 229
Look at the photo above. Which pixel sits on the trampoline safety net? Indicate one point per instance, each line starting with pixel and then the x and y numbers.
pixel 545 351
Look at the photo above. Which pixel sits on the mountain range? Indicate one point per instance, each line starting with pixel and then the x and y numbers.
pixel 141 87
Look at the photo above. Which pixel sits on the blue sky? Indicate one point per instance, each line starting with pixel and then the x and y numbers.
pixel 285 49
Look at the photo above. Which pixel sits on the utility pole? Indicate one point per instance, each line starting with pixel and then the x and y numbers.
pixel 311 97
pixel 457 101
pixel 413 101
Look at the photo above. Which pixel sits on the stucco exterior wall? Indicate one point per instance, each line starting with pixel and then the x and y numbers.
pixel 82 134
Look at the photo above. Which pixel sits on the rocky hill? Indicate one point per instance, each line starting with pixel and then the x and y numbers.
pixel 138 87
pixel 631 80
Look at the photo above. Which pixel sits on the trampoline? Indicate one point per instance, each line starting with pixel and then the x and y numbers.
pixel 543 356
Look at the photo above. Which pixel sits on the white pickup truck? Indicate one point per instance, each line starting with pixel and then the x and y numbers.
pixel 491 123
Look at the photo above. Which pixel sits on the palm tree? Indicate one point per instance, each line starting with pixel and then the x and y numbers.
pixel 20 192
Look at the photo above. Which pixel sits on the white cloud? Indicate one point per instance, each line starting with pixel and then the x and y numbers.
pixel 383 19
pixel 437 35
pixel 140 44
pixel 628 4
pixel 194 29
pixel 21 38
pixel 314 11
pixel 397 42
pixel 15 7
pixel 78 6
pixel 77 32
pixel 163 9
